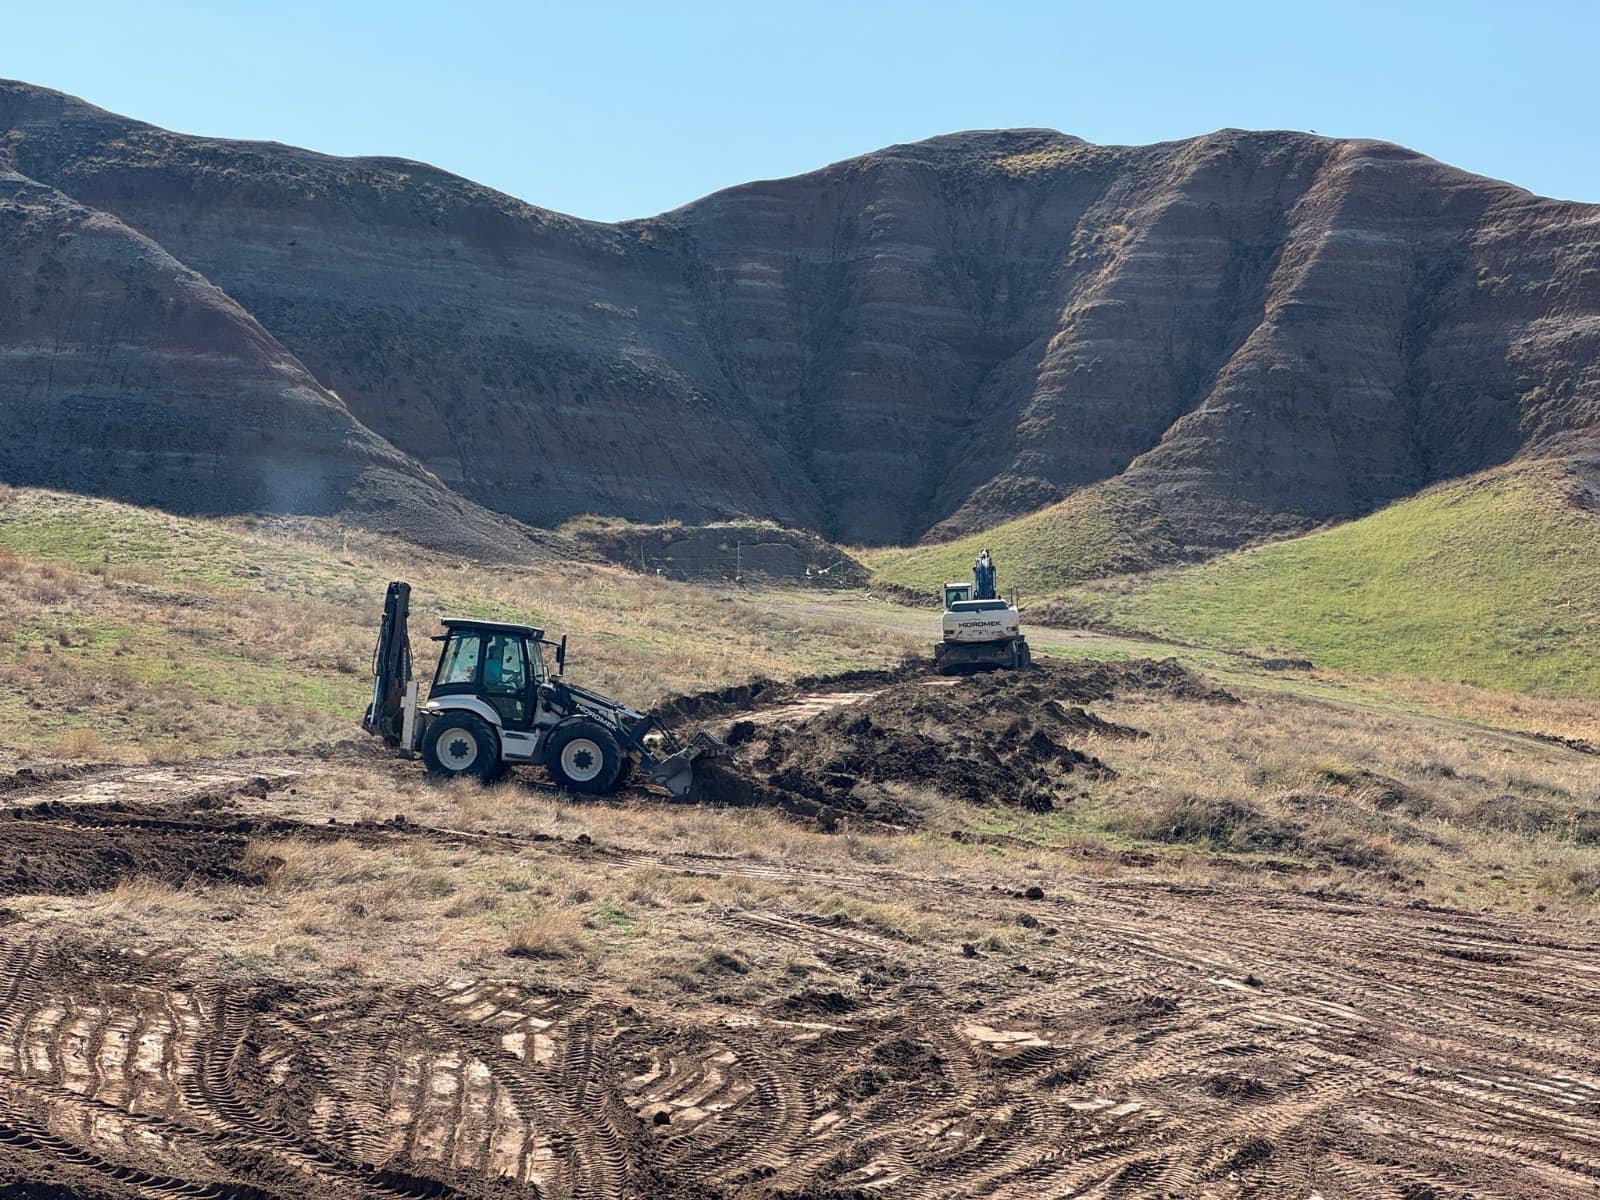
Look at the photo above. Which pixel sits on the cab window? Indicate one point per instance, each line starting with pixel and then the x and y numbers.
pixel 505 677
pixel 503 667
pixel 459 662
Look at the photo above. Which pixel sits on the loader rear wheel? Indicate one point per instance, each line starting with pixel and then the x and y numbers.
pixel 585 757
pixel 459 745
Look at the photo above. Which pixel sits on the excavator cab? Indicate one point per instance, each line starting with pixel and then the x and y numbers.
pixel 956 593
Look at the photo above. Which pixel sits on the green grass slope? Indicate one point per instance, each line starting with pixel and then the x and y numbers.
pixel 1492 581
pixel 127 630
pixel 1108 529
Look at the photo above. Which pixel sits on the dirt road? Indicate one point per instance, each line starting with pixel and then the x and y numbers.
pixel 1134 1039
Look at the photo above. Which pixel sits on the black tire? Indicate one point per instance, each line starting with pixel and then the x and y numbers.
pixel 585 757
pixel 459 745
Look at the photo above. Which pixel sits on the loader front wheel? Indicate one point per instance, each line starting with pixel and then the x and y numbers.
pixel 585 757
pixel 460 745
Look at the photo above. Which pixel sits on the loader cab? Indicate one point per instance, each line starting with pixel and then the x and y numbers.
pixel 956 593
pixel 499 663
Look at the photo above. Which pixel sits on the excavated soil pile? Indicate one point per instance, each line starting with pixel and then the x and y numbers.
pixel 1003 738
pixel 1087 682
pixel 72 849
pixel 765 693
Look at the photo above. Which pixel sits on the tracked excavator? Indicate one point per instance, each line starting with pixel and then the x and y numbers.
pixel 495 702
pixel 980 629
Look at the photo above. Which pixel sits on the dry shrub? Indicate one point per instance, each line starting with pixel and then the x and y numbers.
pixel 553 933
pixel 992 940
pixel 81 742
pixel 44 584
pixel 139 894
pixel 135 573
pixel 1583 882
pixel 295 865
pixel 1227 825
pixel 688 889
pixel 1214 822
pixel 472 903
pixel 1361 852
pixel 310 916
pixel 887 916
pixel 383 900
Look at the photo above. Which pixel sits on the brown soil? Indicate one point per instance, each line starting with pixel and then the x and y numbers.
pixel 1169 1041
pixel 86 833
pixel 1129 1038
pixel 1001 738
pixel 81 849
pixel 759 695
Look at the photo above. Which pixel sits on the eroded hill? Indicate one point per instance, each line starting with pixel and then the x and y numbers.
pixel 1254 332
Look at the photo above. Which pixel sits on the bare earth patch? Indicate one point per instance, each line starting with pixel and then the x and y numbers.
pixel 321 976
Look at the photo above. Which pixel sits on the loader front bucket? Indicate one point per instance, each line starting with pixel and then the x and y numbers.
pixel 676 773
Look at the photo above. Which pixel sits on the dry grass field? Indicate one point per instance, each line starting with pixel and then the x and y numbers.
pixel 1100 929
pixel 129 632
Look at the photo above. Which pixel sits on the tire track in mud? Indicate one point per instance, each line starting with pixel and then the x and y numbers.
pixel 1173 1040
pixel 1086 1086
pixel 168 784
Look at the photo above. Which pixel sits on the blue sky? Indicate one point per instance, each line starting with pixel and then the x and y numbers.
pixel 620 109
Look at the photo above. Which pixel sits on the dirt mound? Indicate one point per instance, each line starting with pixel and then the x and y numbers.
pixel 722 551
pixel 766 693
pixel 1075 682
pixel 28 778
pixel 72 849
pixel 1086 682
pixel 1004 738
pixel 1581 745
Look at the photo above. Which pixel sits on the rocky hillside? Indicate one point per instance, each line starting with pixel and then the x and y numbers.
pixel 125 373
pixel 1254 332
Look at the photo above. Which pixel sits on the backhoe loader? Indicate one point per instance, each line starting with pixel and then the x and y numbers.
pixel 495 702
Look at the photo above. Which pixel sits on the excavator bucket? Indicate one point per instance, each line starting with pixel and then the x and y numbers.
pixel 676 772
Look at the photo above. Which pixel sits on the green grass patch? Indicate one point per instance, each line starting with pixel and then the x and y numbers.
pixel 1103 530
pixel 184 636
pixel 1492 582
